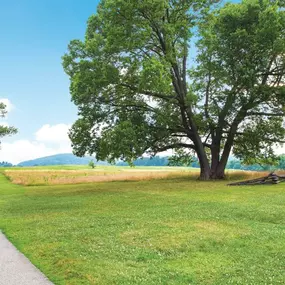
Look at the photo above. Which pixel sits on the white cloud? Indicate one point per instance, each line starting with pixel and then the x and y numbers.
pixel 4 124
pixel 54 134
pixel 7 102
pixel 49 140
pixel 22 150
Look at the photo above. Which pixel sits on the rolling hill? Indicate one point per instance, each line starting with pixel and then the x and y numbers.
pixel 60 159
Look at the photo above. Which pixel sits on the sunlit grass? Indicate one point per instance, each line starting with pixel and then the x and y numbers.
pixel 167 231
pixel 31 177
pixel 69 175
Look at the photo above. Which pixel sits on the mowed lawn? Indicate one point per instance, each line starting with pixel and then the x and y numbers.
pixel 172 231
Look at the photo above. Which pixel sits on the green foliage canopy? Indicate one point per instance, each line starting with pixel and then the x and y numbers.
pixel 241 66
pixel 5 130
pixel 136 92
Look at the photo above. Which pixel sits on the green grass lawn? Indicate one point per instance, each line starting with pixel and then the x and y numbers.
pixel 177 231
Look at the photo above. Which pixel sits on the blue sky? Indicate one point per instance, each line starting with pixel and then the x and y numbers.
pixel 34 36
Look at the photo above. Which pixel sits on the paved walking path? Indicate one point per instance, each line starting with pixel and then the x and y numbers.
pixel 16 269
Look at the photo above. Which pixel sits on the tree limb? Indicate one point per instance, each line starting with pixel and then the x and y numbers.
pixel 206 105
pixel 175 145
pixel 148 92
pixel 265 114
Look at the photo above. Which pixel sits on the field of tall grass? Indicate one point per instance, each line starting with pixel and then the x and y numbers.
pixel 55 177
pixel 45 176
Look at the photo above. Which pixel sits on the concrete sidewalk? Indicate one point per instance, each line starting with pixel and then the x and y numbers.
pixel 16 269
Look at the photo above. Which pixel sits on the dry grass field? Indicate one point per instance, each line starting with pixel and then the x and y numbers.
pixel 33 177
pixel 55 177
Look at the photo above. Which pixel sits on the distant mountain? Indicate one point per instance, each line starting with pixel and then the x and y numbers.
pixel 61 159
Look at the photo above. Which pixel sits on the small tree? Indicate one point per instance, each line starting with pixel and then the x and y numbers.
pixel 136 92
pixel 5 130
pixel 91 164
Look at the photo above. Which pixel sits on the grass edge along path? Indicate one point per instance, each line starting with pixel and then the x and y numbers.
pixel 17 260
pixel 16 268
pixel 175 231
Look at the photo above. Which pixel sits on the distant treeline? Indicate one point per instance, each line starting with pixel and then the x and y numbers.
pixel 232 164
pixel 155 161
pixel 236 164
pixel 151 161
pixel 5 164
pixel 148 161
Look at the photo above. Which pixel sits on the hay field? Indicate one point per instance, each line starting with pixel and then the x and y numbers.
pixel 45 176
pixel 36 176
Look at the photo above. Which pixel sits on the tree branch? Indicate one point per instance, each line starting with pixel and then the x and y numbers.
pixel 206 139
pixel 175 145
pixel 148 92
pixel 265 114
pixel 179 135
pixel 206 105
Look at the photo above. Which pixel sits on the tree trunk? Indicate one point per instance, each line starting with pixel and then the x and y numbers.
pixel 205 173
pixel 205 170
pixel 218 173
pixel 218 164
pixel 215 158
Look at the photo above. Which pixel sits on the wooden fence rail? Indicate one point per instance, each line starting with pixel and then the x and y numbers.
pixel 272 178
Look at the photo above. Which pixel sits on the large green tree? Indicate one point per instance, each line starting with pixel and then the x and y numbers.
pixel 5 130
pixel 132 81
